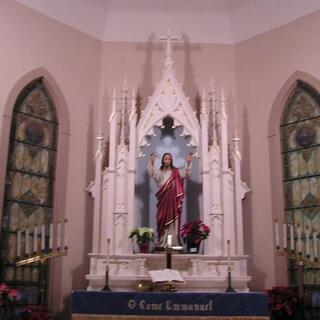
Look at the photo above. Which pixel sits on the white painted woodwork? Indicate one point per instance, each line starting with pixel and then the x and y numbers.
pixel 223 190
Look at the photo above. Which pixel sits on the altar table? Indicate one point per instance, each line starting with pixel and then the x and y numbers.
pixel 102 305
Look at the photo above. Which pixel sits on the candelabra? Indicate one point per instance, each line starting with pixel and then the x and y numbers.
pixel 37 245
pixel 41 260
pixel 106 278
pixel 301 263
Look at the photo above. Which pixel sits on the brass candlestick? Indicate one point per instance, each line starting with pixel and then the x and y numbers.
pixel 229 288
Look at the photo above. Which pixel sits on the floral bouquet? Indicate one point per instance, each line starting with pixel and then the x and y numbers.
pixel 196 230
pixel 283 302
pixel 142 235
pixel 7 298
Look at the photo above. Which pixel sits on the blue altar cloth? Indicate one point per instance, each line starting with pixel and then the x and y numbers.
pixel 170 304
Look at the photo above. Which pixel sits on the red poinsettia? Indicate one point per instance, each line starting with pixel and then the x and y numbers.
pixel 196 230
pixel 36 312
pixel 7 297
pixel 283 301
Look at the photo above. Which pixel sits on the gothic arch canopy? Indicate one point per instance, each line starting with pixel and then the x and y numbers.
pixel 168 100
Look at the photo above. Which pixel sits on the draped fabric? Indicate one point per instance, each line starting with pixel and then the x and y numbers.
pixel 170 198
pixel 117 317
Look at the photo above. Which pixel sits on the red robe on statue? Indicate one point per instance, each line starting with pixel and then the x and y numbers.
pixel 170 198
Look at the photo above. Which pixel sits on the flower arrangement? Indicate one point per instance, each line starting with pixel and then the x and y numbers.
pixel 283 302
pixel 35 312
pixel 7 298
pixel 196 230
pixel 142 235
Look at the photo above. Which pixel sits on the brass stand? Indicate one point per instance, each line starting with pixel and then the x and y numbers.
pixel 300 263
pixel 169 258
pixel 106 283
pixel 42 261
pixel 229 288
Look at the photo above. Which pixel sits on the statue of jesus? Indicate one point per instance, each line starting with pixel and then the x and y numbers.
pixel 170 197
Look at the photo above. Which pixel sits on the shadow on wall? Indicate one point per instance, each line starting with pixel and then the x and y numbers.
pixel 259 276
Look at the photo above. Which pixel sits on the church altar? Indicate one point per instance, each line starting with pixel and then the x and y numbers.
pixel 219 189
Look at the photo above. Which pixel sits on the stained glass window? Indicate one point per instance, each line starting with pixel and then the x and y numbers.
pixel 300 133
pixel 28 199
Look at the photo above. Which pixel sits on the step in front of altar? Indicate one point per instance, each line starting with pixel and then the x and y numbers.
pixel 201 273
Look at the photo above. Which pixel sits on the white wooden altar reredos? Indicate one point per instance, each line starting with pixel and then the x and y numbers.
pixel 113 191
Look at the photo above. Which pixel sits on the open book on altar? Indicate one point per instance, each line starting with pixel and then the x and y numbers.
pixel 165 275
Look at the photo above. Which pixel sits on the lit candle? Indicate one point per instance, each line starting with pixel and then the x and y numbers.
pixel 169 240
pixel 18 243
pixel 58 235
pixel 27 241
pixel 315 245
pixel 276 226
pixel 51 237
pixel 228 250
pixel 291 237
pixel 284 236
pixel 307 242
pixel 35 239
pixel 299 242
pixel 43 234
pixel 65 235
pixel 108 253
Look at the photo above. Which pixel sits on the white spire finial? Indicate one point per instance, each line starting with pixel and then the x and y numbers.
pixel 169 38
pixel 223 104
pixel 212 97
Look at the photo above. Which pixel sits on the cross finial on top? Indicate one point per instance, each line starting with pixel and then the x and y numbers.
pixel 169 38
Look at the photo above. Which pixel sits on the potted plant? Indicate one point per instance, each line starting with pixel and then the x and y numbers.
pixel 192 233
pixel 8 297
pixel 143 236
pixel 283 303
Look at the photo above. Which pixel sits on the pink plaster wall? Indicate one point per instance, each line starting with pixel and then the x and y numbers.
pixel 266 68
pixel 142 64
pixel 32 45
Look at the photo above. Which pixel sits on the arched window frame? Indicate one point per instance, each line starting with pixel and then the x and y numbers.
pixel 34 133
pixel 300 139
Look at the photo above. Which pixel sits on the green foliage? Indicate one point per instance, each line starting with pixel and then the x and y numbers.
pixel 142 234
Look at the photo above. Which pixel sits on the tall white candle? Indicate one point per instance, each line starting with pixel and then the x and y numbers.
pixel 169 240
pixel 65 235
pixel 291 237
pixel 285 236
pixel 51 237
pixel 315 245
pixel 307 242
pixel 228 250
pixel 35 239
pixel 108 253
pixel 58 235
pixel 299 242
pixel 27 241
pixel 276 227
pixel 43 237
pixel 18 243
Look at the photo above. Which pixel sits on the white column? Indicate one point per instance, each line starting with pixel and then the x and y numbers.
pixel 108 183
pixel 132 162
pixel 205 163
pixel 227 187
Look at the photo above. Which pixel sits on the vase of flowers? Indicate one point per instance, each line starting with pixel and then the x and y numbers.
pixel 143 236
pixel 192 233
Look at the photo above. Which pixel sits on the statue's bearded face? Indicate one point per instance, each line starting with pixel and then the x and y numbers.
pixel 167 160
